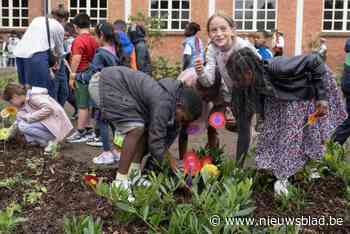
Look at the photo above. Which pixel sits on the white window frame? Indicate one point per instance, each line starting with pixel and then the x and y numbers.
pixel 170 10
pixel 88 9
pixel 345 11
pixel 10 17
pixel 255 14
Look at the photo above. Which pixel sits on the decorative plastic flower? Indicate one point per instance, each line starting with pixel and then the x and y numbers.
pixel 192 164
pixel 312 119
pixel 192 129
pixel 207 160
pixel 4 114
pixel 8 111
pixel 4 133
pixel 217 120
pixel 11 110
pixel 91 180
pixel 210 169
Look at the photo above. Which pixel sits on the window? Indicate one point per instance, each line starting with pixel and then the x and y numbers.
pixel 255 15
pixel 96 9
pixel 173 15
pixel 336 15
pixel 13 13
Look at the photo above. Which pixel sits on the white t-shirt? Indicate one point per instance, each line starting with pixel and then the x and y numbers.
pixel 35 38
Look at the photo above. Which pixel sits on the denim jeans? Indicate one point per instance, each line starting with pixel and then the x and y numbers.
pixel 61 85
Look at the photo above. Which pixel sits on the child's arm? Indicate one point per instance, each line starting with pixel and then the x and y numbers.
pixel 158 131
pixel 206 74
pixel 43 109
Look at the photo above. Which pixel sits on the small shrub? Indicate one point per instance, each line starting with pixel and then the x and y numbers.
pixel 162 68
pixel 9 219
pixel 82 225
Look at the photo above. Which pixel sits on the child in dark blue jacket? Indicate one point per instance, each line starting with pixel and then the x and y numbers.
pixel 106 56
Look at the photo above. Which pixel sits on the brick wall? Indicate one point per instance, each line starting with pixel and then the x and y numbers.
pixel 171 44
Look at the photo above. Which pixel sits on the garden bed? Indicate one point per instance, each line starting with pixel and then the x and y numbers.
pixel 48 189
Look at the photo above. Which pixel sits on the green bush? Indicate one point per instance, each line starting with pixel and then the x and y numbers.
pixel 162 68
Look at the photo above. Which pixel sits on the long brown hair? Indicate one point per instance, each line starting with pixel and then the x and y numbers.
pixel 12 89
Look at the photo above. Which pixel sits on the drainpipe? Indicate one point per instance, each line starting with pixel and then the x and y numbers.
pixel 299 27
pixel 211 7
pixel 127 9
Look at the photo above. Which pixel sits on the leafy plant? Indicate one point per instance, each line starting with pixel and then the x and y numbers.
pixel 34 195
pixel 9 219
pixel 162 68
pixel 82 225
pixel 295 199
pixel 162 211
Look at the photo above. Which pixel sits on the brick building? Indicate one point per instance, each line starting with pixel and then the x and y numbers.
pixel 301 21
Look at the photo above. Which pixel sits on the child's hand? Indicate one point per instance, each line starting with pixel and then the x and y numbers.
pixel 198 64
pixel 72 80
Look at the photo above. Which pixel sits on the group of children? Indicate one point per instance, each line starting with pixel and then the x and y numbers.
pixel 150 114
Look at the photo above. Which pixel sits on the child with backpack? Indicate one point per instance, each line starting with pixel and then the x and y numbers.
pixel 193 46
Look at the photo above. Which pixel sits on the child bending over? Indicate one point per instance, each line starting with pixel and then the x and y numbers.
pixel 40 118
pixel 147 112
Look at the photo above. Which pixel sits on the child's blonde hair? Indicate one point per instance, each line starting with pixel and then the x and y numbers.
pixel 12 89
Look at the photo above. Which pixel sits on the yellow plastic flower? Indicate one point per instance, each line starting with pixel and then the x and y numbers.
pixel 4 133
pixel 210 169
pixel 4 114
pixel 118 140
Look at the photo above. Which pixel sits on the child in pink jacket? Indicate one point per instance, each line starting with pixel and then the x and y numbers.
pixel 40 118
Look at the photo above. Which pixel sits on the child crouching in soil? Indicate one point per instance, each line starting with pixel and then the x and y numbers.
pixel 147 112
pixel 40 118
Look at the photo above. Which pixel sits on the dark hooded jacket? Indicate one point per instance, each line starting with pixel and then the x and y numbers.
pixel 143 58
pixel 132 96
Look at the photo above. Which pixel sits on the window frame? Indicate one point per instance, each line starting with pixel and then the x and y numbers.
pixel 88 9
pixel 10 16
pixel 255 20
pixel 344 20
pixel 170 10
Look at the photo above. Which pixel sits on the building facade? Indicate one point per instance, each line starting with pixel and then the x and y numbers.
pixel 301 21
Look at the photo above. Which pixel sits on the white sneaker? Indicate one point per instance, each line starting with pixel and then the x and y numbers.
pixel 95 142
pixel 51 148
pixel 104 158
pixel 314 174
pixel 281 187
pixel 125 185
pixel 116 155
pixel 77 137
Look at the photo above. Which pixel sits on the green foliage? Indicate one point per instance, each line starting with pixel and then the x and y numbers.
pixel 151 26
pixel 276 229
pixel 82 225
pixel 294 200
pixel 162 68
pixel 156 206
pixel 215 153
pixel 9 218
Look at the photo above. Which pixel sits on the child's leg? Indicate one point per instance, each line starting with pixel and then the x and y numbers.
pixel 131 150
pixel 104 134
pixel 35 133
pixel 244 135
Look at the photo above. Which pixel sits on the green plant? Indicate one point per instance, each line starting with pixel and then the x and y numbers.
pixel 294 199
pixel 152 26
pixel 82 225
pixel 162 68
pixel 9 219
pixel 34 194
pixel 162 211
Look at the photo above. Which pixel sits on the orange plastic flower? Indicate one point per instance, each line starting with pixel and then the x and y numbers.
pixel 11 110
pixel 312 119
